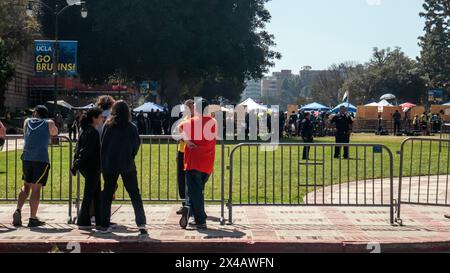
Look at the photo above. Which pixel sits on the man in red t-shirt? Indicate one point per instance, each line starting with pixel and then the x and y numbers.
pixel 199 133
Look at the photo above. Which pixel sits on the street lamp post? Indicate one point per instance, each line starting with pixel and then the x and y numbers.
pixel 56 11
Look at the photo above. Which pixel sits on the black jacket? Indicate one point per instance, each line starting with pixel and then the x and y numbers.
pixel 343 123
pixel 120 145
pixel 307 129
pixel 87 151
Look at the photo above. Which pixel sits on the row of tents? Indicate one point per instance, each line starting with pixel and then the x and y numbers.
pixel 146 107
pixel 249 104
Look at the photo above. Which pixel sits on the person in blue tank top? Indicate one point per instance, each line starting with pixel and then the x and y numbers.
pixel 35 163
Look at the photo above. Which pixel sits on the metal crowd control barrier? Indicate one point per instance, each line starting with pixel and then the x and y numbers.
pixel 445 131
pixel 156 165
pixel 59 185
pixel 276 175
pixel 424 173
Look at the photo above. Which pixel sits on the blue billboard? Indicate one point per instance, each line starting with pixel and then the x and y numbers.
pixel 44 51
pixel 436 95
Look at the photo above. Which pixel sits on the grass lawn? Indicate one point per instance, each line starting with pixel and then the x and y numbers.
pixel 263 177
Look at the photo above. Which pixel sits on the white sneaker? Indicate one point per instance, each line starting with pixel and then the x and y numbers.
pixel 105 230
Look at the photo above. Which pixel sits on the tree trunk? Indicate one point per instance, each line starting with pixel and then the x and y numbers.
pixel 171 87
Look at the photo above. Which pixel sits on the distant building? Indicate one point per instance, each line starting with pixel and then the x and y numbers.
pixel 307 76
pixel 16 93
pixel 272 86
pixel 253 90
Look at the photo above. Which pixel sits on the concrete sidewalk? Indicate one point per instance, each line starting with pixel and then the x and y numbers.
pixel 255 229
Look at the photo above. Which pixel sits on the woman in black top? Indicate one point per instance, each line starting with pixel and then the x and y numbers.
pixel 87 162
pixel 120 145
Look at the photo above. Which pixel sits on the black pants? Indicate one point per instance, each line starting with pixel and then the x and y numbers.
pixel 396 127
pixel 195 182
pixel 91 198
pixel 181 175
pixel 342 138
pixel 307 148
pixel 131 185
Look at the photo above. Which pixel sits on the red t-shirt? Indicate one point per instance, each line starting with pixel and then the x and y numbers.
pixel 202 132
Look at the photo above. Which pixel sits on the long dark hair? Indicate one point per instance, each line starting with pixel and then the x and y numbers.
pixel 88 117
pixel 105 102
pixel 120 114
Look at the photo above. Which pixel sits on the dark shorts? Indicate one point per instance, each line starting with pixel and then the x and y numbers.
pixel 35 172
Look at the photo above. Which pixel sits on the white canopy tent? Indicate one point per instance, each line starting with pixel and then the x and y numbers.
pixel 61 103
pixel 384 103
pixel 252 105
pixel 149 107
pixel 87 107
pixel 379 104
pixel 388 97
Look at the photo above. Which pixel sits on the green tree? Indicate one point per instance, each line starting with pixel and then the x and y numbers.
pixel 179 43
pixel 435 44
pixel 388 71
pixel 291 91
pixel 6 72
pixel 327 86
pixel 17 31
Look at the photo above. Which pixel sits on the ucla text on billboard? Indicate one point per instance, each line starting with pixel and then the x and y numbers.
pixel 44 51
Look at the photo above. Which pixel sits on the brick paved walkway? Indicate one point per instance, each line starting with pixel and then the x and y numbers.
pixel 261 229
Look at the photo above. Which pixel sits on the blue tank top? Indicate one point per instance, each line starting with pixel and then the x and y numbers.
pixel 36 138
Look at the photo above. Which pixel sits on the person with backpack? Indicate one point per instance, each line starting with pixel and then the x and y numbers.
pixel 87 162
pixel 35 163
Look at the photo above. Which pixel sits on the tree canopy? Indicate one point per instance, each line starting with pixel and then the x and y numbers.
pixel 17 31
pixel 182 44
pixel 435 44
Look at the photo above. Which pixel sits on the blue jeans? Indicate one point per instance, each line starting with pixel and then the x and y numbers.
pixel 195 185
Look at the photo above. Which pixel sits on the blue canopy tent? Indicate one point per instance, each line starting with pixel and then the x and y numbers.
pixel 315 107
pixel 448 103
pixel 350 108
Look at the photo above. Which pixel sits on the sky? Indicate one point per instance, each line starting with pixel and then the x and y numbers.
pixel 320 33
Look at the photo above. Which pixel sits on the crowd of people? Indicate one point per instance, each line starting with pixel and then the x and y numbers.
pixel 320 120
pixel 107 146
pixel 153 123
pixel 109 141
pixel 425 124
